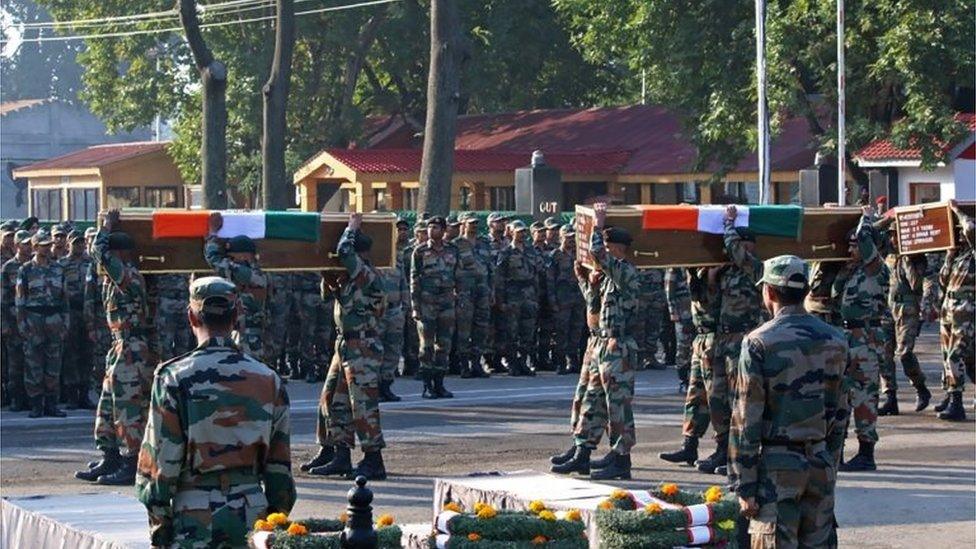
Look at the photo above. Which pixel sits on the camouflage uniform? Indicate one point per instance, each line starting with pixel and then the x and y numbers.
pixel 653 305
pixel 433 283
pixel 307 293
pixel 542 343
pixel 517 277
pixel 958 281
pixel 349 405
pixel 99 335
pixel 499 322
pixel 569 307
pixel 172 291
pixel 931 293
pixel 12 338
pixel 279 324
pixel 411 340
pixel 254 288
pixel 589 369
pixel 216 455
pixel 474 297
pixel 76 363
pixel 42 320
pixel 820 301
pixel 788 427
pixel 904 300
pixel 679 307
pixel 393 321
pixel 705 303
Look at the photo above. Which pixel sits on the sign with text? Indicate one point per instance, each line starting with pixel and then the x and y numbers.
pixel 924 228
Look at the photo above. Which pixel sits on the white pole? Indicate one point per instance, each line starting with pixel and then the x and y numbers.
pixel 763 107
pixel 841 109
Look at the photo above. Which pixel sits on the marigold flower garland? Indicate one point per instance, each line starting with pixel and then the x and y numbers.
pixel 484 526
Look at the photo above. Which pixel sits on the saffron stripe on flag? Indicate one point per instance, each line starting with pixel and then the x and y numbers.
pixel 180 224
pixel 670 218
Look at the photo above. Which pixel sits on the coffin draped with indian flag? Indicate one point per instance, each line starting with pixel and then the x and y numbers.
pixel 171 240
pixel 687 236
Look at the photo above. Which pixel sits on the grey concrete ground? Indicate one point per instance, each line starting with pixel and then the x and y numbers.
pixel 923 495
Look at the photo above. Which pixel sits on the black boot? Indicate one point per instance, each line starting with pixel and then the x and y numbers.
pixel 941 406
pixel 51 407
pixel 371 466
pixel 559 459
pixel 84 401
pixel 618 469
pixel 890 405
pixel 955 410
pixel 19 403
pixel 341 464
pixel 512 364
pixel 108 464
pixel 439 389
pixel 718 458
pixel 524 364
pixel 922 397
pixel 477 369
pixel 428 385
pixel 605 461
pixel 124 475
pixel 37 407
pixel 390 395
pixel 687 454
pixel 325 455
pixel 579 463
pixel 467 370
pixel 863 460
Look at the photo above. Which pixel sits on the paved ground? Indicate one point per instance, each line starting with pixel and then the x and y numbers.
pixel 922 495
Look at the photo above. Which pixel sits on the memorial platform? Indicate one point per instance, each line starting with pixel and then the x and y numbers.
pixel 79 521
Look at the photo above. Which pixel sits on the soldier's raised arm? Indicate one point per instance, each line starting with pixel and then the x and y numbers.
pixel 215 253
pixel 870 256
pixel 736 249
pixel 347 246
pixel 106 261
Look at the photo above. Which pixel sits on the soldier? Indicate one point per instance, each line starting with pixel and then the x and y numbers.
pixel 553 236
pixel 518 294
pixel 307 295
pixel 453 228
pixel 392 324
pixel 497 241
pixel 8 248
pixel 7 252
pixel 820 301
pixel 124 399
pixel 76 365
pixel 615 353
pixel 542 359
pixel 236 261
pixel 60 236
pixel 279 325
pixel 173 327
pixel 13 339
pixel 566 301
pixel 931 295
pixel 789 417
pixel 42 320
pixel 474 297
pixel 31 225
pixel 679 311
pixel 653 304
pixel 956 330
pixel 197 497
pixel 99 336
pixel 349 406
pixel 411 339
pixel 433 287
pixel 861 292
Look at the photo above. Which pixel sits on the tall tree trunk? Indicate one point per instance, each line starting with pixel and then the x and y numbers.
pixel 213 75
pixel 446 56
pixel 274 180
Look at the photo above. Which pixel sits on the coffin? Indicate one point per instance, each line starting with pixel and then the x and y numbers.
pixel 823 238
pixel 181 255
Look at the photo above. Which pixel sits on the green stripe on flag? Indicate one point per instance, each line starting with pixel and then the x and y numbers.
pixel 776 220
pixel 292 225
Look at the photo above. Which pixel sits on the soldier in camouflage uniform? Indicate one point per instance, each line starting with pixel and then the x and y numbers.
pixel 543 342
pixel 475 296
pixel 279 306
pixel 553 234
pixel 8 248
pixel 517 279
pixel 956 330
pixel 171 320
pixel 99 336
pixel 13 339
pixel 7 251
pixel 392 324
pixel 195 495
pixel 820 301
pixel 615 353
pixel 497 241
pixel 679 312
pixel 307 293
pixel 433 288
pixel 861 292
pixel 568 307
pixel 349 406
pixel 411 339
pixel 124 400
pixel 653 304
pixel 42 320
pixel 235 260
pixel 60 236
pixel 931 294
pixel 76 364
pixel 789 417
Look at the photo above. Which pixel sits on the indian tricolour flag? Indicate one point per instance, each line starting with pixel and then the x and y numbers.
pixel 763 220
pixel 256 224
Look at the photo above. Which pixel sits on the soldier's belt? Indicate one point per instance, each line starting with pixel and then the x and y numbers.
pixel 961 294
pixel 44 309
pixel 738 329
pixel 906 299
pixel 854 324
pixel 354 335
pixel 221 480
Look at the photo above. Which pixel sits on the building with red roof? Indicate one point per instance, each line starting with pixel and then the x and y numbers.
pixel 638 154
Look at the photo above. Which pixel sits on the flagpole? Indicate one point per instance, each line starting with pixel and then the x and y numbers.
pixel 841 109
pixel 763 107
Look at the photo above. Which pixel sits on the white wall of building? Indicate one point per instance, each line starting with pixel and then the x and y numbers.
pixel 964 173
pixel 942 175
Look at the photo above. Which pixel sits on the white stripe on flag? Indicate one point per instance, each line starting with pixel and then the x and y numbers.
pixel 699 535
pixel 699 515
pixel 442 519
pixel 711 219
pixel 241 223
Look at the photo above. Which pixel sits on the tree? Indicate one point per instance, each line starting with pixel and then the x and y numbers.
pixel 38 70
pixel 275 185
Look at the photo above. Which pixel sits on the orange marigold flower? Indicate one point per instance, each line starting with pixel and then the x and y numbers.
pixel 479 506
pixel 452 506
pixel 278 519
pixel 670 490
pixel 574 515
pixel 606 505
pixel 297 529
pixel 547 515
pixel 384 520
pixel 263 526
pixel 474 536
pixel 713 494
pixel 343 517
pixel 620 494
pixel 537 506
pixel 540 540
pixel 487 512
pixel 653 509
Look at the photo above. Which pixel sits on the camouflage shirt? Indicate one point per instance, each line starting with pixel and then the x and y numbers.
pixel 253 284
pixel 75 271
pixel 705 299
pixel 907 275
pixel 8 299
pixel 41 287
pixel 861 287
pixel 173 286
pixel 433 272
pixel 788 391
pixel 516 269
pixel 94 310
pixel 563 286
pixel 305 282
pixel 474 262
pixel 123 291
pixel 820 299
pixel 676 290
pixel 958 274
pixel 619 291
pixel 395 286
pixel 360 301
pixel 741 307
pixel 213 411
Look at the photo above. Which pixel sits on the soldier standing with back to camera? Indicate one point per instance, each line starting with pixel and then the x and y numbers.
pixel 433 289
pixel 653 304
pixel 391 326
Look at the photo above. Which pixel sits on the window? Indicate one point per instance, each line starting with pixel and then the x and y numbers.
pixel 348 200
pixel 922 193
pixel 689 192
pixel 632 194
pixel 122 197
pixel 410 198
pixel 46 204
pixel 83 204
pixel 379 200
pixel 162 197
pixel 743 192
pixel 503 199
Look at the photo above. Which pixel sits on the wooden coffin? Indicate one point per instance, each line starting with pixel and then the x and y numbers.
pixel 823 238
pixel 181 255
pixel 927 227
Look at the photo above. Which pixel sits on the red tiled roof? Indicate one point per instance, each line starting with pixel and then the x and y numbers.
pixel 8 107
pixel 408 160
pixel 97 156
pixel 884 149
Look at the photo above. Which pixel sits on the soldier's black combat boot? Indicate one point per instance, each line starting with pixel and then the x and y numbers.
pixel 559 459
pixel 579 463
pixel 109 463
pixel 37 407
pixel 955 410
pixel 922 397
pixel 687 454
pixel 478 370
pixel 439 389
pixel 325 455
pixel 619 468
pixel 428 385
pixel 605 461
pixel 863 460
pixel 719 457
pixel 941 406
pixel 523 362
pixel 51 407
pixel 387 388
pixel 341 464
pixel 890 405
pixel 125 475
pixel 371 466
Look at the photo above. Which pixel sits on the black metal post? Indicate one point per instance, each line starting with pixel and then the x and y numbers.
pixel 359 533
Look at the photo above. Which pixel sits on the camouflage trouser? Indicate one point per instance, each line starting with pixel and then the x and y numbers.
pixel 568 323
pixel 931 297
pixel 956 332
pixel 684 335
pixel 473 315
pixel 310 306
pixel 75 362
pixel 124 400
pixel 173 327
pixel 900 343
pixel 100 338
pixel 391 331
pixel 13 347
pixel 867 354
pixel 411 340
pixel 607 404
pixel 278 327
pixel 251 338
pixel 724 374
pixel 700 385
pixel 796 504
pixel 43 348
pixel 588 369
pixel 521 311
pixel 217 517
pixel 435 330
pixel 349 407
pixel 652 313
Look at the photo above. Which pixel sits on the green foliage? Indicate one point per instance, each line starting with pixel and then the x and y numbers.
pixel 388 537
pixel 464 543
pixel 664 539
pixel 515 526
pixel 639 521
pixel 38 70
